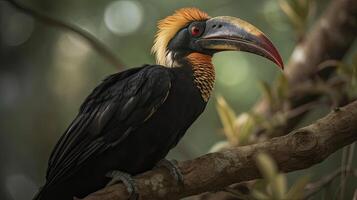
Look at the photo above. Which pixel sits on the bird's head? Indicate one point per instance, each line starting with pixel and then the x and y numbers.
pixel 190 31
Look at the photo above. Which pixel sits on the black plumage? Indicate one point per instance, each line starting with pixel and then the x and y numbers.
pixel 128 123
pixel 133 118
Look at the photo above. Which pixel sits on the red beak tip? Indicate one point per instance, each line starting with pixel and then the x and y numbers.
pixel 281 66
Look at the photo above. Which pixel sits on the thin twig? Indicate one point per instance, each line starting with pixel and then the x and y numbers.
pixel 318 49
pixel 328 63
pixel 348 156
pixel 303 108
pixel 98 46
pixel 342 186
pixel 313 188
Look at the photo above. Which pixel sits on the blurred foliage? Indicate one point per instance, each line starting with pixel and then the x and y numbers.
pixel 276 95
pixel 237 130
pixel 274 184
pixel 298 12
pixel 242 128
pixel 349 72
pixel 227 116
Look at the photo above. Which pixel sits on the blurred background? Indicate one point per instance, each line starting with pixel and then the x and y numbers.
pixel 46 72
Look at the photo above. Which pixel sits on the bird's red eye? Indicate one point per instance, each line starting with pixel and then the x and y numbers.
pixel 195 31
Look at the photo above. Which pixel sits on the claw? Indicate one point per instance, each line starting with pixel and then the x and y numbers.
pixel 172 166
pixel 128 181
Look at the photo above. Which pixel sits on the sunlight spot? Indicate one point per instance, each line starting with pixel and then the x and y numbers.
pixel 123 17
pixel 9 90
pixel 68 77
pixel 274 16
pixel 299 54
pixel 72 45
pixel 232 69
pixel 20 187
pixel 16 29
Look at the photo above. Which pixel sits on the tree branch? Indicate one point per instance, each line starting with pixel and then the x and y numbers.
pixel 327 42
pixel 330 38
pixel 298 150
pixel 98 46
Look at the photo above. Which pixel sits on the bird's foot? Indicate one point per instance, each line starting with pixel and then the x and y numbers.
pixel 128 181
pixel 172 166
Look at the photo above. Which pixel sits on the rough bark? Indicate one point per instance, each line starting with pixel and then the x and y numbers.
pixel 298 150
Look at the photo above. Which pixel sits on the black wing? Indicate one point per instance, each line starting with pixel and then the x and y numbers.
pixel 108 115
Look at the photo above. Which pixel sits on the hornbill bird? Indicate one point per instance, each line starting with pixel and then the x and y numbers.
pixel 133 118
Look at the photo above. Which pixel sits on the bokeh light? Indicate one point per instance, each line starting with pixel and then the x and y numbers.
pixel 68 66
pixel 16 29
pixel 232 68
pixel 274 16
pixel 123 17
pixel 9 90
pixel 72 46
pixel 20 187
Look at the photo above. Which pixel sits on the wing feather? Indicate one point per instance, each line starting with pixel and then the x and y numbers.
pixel 110 113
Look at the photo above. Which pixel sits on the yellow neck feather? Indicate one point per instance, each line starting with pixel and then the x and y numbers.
pixel 168 27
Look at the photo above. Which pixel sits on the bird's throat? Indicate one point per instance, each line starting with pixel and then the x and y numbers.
pixel 203 73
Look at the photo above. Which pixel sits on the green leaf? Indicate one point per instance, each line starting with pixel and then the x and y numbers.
pixel 267 93
pixel 279 186
pixel 291 12
pixel 354 71
pixel 219 146
pixel 282 88
pixel 298 13
pixel 260 184
pixel 227 117
pixel 260 195
pixel 266 166
pixel 245 124
pixel 297 190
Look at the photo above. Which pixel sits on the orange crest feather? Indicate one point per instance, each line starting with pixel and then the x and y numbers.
pixel 168 27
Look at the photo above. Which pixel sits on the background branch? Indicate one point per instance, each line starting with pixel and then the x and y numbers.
pixel 330 38
pixel 98 46
pixel 314 59
pixel 313 188
pixel 298 150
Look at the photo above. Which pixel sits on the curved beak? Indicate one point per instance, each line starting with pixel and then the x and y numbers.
pixel 232 34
